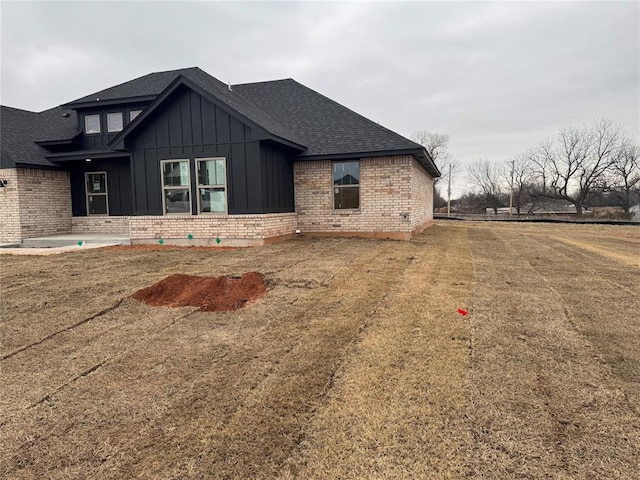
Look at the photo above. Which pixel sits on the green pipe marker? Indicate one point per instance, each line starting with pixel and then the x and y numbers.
pixel 80 243
pixel 189 236
pixel 161 242
pixel 218 241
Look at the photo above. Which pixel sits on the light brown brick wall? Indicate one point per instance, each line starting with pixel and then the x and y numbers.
pixel 421 198
pixel 45 202
pixel 252 229
pixel 34 203
pixel 100 224
pixel 9 209
pixel 394 193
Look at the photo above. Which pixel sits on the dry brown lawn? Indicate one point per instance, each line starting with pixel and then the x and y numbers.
pixel 355 365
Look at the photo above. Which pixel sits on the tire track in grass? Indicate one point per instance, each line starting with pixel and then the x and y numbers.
pixel 307 343
pixel 544 405
pixel 601 300
pixel 213 394
pixel 52 310
pixel 397 408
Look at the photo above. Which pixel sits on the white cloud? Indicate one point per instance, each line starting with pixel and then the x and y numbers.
pixel 495 76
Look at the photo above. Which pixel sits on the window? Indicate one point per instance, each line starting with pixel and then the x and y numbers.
pixel 346 185
pixel 92 123
pixel 114 122
pixel 176 187
pixel 212 179
pixel 96 186
pixel 133 114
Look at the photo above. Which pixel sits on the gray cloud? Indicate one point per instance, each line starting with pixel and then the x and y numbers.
pixel 497 77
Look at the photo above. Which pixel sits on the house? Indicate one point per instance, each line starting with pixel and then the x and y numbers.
pixel 180 155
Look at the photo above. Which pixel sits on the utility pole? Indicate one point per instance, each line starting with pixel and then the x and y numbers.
pixel 511 189
pixel 449 194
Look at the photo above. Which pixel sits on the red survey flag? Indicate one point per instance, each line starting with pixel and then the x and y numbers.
pixel 462 312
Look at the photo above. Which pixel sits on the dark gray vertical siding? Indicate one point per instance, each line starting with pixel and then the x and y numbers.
pixel 119 192
pixel 95 141
pixel 189 126
pixel 277 181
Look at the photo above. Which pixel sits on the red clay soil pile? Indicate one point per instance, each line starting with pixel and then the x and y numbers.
pixel 211 294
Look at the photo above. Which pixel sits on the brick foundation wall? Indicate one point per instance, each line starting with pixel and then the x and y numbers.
pixel 234 230
pixel 393 198
pixel 9 209
pixel 99 224
pixel 421 198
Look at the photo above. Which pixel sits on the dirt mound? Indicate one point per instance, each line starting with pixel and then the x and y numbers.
pixel 211 294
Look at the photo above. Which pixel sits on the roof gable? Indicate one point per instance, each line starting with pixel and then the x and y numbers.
pixel 283 110
pixel 209 89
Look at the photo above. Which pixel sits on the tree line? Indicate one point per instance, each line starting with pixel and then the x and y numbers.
pixel 594 164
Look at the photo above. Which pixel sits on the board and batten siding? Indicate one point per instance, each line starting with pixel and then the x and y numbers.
pixel 277 180
pixel 188 126
pixel 119 194
pixel 96 141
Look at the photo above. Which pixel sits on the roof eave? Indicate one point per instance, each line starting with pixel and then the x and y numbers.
pixel 421 155
pixel 73 156
pixel 61 141
pixel 101 103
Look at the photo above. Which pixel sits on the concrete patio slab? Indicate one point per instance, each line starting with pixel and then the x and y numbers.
pixel 63 243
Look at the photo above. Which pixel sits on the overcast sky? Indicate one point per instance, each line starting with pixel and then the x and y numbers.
pixel 497 77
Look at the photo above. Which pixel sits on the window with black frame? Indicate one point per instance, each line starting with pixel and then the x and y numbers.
pixel 176 186
pixel 96 188
pixel 212 191
pixel 346 185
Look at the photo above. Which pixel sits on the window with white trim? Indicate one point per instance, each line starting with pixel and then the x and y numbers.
pixel 96 188
pixel 133 114
pixel 114 122
pixel 346 185
pixel 176 186
pixel 92 123
pixel 212 185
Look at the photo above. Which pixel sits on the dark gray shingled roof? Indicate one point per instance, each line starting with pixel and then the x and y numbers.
pixel 324 126
pixel 20 129
pixel 53 125
pixel 284 108
pixel 155 83
pixel 151 84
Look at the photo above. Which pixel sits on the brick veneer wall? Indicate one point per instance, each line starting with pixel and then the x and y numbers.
pixel 9 209
pixel 233 230
pixel 421 198
pixel 100 224
pixel 391 202
pixel 45 202
pixel 35 203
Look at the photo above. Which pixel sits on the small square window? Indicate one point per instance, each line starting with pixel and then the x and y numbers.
pixel 114 122
pixel 92 123
pixel 133 114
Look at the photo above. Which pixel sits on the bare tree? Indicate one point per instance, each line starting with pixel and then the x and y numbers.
pixel 574 169
pixel 517 173
pixel 624 175
pixel 485 177
pixel 437 145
